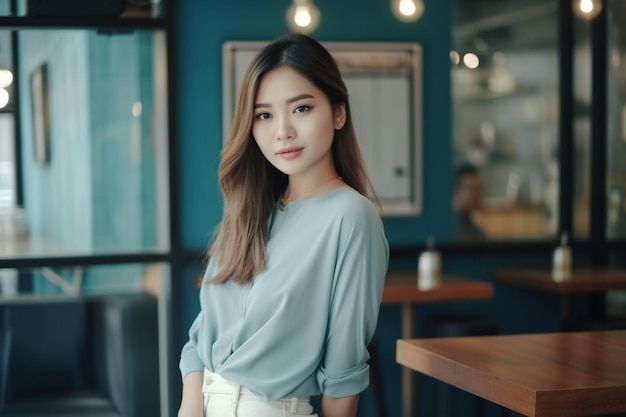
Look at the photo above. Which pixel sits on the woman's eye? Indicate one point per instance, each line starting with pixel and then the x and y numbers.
pixel 262 116
pixel 301 109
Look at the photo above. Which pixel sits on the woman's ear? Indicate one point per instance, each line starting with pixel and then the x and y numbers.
pixel 340 116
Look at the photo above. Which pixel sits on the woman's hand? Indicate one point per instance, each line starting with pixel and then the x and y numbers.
pixel 192 404
pixel 339 407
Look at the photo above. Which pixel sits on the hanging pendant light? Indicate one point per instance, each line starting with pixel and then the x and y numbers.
pixel 407 11
pixel 587 9
pixel 303 16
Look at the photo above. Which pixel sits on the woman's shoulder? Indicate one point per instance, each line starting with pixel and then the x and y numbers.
pixel 349 204
pixel 358 219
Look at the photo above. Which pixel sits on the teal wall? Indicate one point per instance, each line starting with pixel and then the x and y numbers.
pixel 121 158
pixel 58 195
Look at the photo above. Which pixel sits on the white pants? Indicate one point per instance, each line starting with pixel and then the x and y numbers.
pixel 224 398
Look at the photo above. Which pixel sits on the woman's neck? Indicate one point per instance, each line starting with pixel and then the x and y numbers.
pixel 301 191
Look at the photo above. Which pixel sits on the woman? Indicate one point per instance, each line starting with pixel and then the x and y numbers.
pixel 292 291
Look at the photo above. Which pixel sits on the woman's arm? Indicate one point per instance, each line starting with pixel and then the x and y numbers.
pixel 192 403
pixel 339 407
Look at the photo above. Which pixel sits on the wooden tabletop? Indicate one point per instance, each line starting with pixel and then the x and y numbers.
pixel 401 287
pixel 582 279
pixel 538 375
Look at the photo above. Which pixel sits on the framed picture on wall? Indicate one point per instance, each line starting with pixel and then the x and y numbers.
pixel 41 113
pixel 384 81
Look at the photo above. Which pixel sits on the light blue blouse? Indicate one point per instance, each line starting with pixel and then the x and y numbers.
pixel 302 326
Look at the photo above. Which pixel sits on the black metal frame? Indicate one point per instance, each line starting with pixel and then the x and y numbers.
pixel 598 137
pixel 566 125
pixel 17 127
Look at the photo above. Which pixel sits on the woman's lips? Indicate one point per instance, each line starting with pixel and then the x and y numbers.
pixel 290 153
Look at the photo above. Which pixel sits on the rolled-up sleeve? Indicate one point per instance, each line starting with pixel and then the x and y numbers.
pixel 359 277
pixel 189 359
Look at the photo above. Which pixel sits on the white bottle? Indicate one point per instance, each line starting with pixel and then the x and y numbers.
pixel 429 268
pixel 562 261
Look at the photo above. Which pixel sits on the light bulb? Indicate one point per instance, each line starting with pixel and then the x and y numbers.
pixel 407 7
pixel 455 57
pixel 407 10
pixel 4 98
pixel 587 9
pixel 137 109
pixel 6 78
pixel 303 16
pixel 471 60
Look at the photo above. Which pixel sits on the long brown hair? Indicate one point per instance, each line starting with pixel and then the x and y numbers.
pixel 250 185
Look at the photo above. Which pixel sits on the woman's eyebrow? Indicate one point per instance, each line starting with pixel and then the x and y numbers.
pixel 299 97
pixel 288 101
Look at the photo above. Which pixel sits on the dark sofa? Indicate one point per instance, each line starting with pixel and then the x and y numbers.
pixel 83 357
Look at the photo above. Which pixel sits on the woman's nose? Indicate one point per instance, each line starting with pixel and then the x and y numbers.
pixel 285 130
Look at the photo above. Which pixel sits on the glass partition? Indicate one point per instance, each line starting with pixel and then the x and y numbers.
pixel 506 108
pixel 93 142
pixel 5 8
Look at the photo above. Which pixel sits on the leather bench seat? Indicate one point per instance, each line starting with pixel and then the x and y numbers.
pixel 78 403
pixel 95 357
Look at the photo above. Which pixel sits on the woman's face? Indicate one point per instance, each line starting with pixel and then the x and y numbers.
pixel 294 124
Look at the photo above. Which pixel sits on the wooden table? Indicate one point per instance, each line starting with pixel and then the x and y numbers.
pixel 401 288
pixel 538 375
pixel 583 280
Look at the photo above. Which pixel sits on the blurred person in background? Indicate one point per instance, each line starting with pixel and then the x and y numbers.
pixel 467 198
